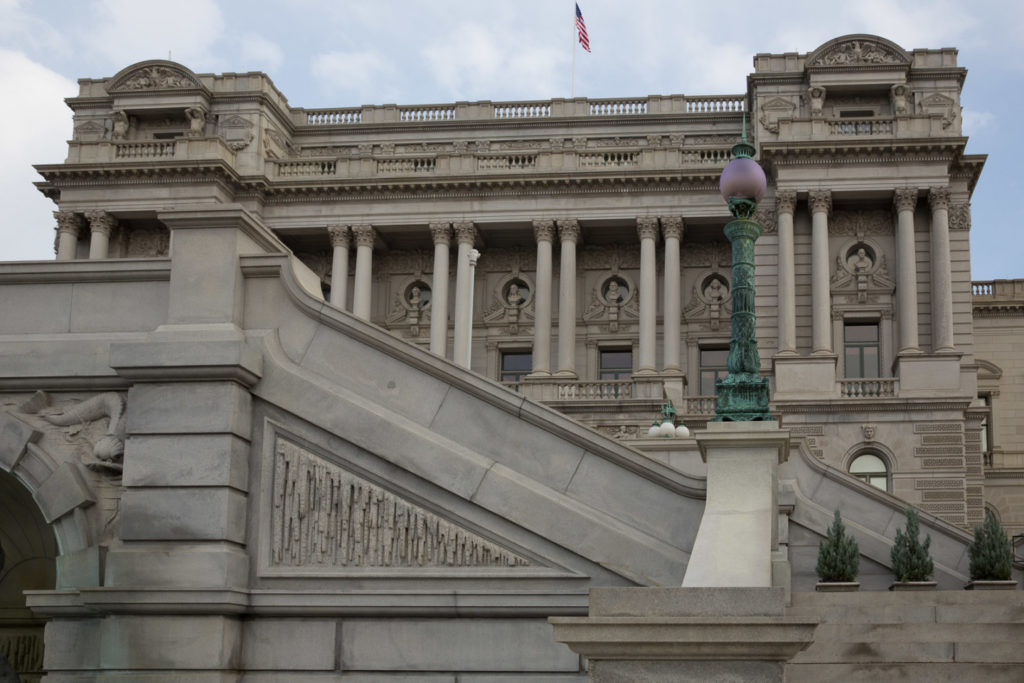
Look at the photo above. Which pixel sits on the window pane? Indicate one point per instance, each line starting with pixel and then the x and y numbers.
pixel 714 357
pixel 707 382
pixel 616 360
pixel 861 333
pixel 867 464
pixel 870 368
pixel 853 368
pixel 517 361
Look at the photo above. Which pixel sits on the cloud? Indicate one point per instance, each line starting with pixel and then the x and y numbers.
pixel 128 31
pixel 20 29
pixel 34 132
pixel 365 77
pixel 975 121
pixel 258 53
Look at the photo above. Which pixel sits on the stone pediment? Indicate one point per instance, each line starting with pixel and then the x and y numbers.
pixel 858 50
pixel 154 75
pixel 327 516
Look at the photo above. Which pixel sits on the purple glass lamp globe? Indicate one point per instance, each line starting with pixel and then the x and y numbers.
pixel 743 178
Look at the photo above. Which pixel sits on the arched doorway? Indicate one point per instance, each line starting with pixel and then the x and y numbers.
pixel 29 551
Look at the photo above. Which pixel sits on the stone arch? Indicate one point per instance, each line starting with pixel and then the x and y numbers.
pixel 888 51
pixel 154 74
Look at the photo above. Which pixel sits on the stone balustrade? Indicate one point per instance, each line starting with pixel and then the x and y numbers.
pixel 605 390
pixel 106 151
pixel 986 291
pixel 144 150
pixel 877 387
pixel 930 125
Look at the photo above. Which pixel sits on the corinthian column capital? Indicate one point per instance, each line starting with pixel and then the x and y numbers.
pixel 441 233
pixel 672 226
pixel 938 197
pixel 820 201
pixel 647 227
pixel 544 229
pixel 101 221
pixel 364 235
pixel 785 201
pixel 569 230
pixel 904 198
pixel 465 232
pixel 69 222
pixel 340 235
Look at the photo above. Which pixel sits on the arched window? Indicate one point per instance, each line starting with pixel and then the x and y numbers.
pixel 871 469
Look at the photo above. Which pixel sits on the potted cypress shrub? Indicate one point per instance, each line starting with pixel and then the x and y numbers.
pixel 838 559
pixel 911 562
pixel 991 555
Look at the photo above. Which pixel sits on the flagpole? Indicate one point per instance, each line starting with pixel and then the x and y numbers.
pixel 573 34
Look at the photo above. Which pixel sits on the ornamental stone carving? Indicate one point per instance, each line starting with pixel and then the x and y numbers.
pixel 237 132
pixel 612 301
pixel 938 197
pixel 765 217
pixel 816 101
pixel 647 227
pixel 326 516
pixel 905 199
pixel 339 235
pixel 710 300
pixel 149 242
pixel 960 216
pixel 364 235
pixel 544 229
pixel 858 52
pixel 861 223
pixel 121 124
pixel 672 226
pixel 898 97
pixel 69 222
pixel 820 201
pixel 569 230
pixel 155 77
pixel 785 201
pixel 465 232
pixel 100 221
pixel 102 444
pixel 441 233
pixel 196 121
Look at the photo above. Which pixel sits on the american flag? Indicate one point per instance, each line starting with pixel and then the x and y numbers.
pixel 581 29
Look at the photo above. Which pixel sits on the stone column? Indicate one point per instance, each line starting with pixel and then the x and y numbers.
pixel 101 224
pixel 69 225
pixel 942 271
pixel 442 236
pixel 672 228
pixel 821 333
pixel 340 239
pixel 364 235
pixel 544 232
pixel 647 229
pixel 465 235
pixel 569 234
pixel 785 205
pixel 905 200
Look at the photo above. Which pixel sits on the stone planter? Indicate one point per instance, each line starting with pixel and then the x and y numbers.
pixel 913 586
pixel 985 585
pixel 837 586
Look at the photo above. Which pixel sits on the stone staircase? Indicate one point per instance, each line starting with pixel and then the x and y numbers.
pixel 934 636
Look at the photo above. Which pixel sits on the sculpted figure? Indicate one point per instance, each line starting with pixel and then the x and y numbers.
pixel 816 97
pixel 416 297
pixel 614 294
pixel 514 298
pixel 120 124
pixel 899 100
pixel 196 121
pixel 715 292
pixel 860 262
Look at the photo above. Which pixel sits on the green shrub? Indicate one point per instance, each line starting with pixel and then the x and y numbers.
pixel 991 552
pixel 838 554
pixel 910 558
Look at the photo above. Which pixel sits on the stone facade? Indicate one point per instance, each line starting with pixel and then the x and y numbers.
pixel 269 455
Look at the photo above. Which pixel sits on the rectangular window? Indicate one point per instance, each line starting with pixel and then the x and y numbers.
pixel 861 350
pixel 515 365
pixel 986 430
pixel 616 365
pixel 713 367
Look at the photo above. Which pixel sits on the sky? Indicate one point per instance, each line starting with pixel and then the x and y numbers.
pixel 338 53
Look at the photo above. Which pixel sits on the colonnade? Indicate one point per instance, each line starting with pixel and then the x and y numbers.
pixel 905 204
pixel 69 226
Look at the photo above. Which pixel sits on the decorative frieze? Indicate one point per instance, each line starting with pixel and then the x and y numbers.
pixel 960 216
pixel 324 515
pixel 938 450
pixel 942 463
pixel 933 427
pixel 925 484
pixel 861 223
pixel 858 52
pixel 807 430
pixel 932 439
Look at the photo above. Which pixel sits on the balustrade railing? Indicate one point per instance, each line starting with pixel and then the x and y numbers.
pixel 711 157
pixel 715 104
pixel 333 117
pixel 697 405
pixel 307 167
pixel 609 159
pixel 861 127
pixel 508 162
pixel 618 107
pixel 419 165
pixel 144 150
pixel 428 113
pixel 610 390
pixel 982 288
pixel 522 110
pixel 867 388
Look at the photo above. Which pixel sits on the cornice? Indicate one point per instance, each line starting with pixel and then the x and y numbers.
pixel 864 405
pixel 882 149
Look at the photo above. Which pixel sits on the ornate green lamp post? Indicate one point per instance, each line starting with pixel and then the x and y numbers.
pixel 743 393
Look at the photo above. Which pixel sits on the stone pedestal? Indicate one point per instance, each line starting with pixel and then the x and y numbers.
pixel 802 377
pixel 685 634
pixel 738 531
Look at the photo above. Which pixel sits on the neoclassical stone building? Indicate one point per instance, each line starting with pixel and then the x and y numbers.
pixel 254 420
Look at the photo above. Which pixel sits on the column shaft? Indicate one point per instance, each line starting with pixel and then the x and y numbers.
pixel 647 228
pixel 101 224
pixel 942 271
pixel 821 320
pixel 442 236
pixel 569 233
pixel 340 239
pixel 672 227
pixel 785 204
pixel 68 227
pixel 544 231
pixel 465 234
pixel 364 270
pixel 905 200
